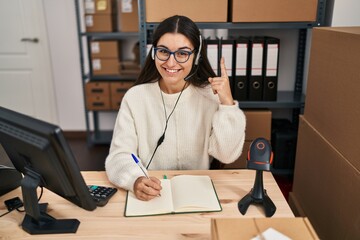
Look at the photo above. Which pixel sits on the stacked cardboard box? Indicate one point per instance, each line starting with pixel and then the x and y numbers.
pixel 327 168
pixel 128 17
pixel 100 15
pixel 258 124
pixel 105 57
pixel 102 96
pixel 253 228
pixel 273 11
pixel 198 11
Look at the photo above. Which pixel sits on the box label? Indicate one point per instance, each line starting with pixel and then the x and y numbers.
pixel 96 64
pixel 126 6
pixel 95 47
pixel 89 6
pixel 101 5
pixel 89 21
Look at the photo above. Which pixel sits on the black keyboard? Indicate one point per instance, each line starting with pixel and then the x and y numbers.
pixel 101 194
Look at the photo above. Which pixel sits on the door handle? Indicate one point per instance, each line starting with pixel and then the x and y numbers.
pixel 33 40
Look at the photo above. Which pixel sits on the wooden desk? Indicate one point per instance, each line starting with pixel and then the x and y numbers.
pixel 109 221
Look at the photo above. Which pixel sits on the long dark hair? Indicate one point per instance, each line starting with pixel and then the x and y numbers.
pixel 186 27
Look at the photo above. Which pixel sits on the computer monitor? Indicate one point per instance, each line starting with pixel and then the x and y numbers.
pixel 40 152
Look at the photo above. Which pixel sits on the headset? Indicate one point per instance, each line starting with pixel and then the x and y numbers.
pixel 197 55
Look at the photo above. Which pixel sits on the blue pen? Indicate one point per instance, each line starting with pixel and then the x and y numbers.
pixel 138 163
pixel 142 169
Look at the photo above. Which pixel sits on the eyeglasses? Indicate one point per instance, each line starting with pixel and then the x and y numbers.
pixel 181 56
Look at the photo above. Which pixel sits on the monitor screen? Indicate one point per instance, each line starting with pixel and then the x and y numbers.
pixel 40 152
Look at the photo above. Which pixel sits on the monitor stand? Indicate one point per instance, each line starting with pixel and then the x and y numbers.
pixel 257 195
pixel 36 220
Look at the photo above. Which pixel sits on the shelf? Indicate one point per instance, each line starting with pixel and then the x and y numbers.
pixel 285 99
pixel 110 35
pixel 255 25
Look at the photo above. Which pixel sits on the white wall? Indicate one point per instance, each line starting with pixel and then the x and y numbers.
pixel 346 13
pixel 62 31
pixel 64 52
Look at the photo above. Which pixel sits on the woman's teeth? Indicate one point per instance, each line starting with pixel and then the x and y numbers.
pixel 172 70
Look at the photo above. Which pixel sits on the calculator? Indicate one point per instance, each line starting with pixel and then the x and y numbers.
pixel 101 194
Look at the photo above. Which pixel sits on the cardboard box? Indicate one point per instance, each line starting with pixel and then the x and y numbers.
pixel 274 11
pixel 99 6
pixel 258 124
pixel 99 22
pixel 97 95
pixel 198 11
pixel 326 186
pixel 248 228
pixel 332 97
pixel 105 66
pixel 129 68
pixel 128 16
pixel 118 90
pixel 104 49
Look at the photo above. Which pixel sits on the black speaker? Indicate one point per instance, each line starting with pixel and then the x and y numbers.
pixel 283 142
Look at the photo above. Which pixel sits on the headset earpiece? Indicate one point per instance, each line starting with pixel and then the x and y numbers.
pixel 152 53
pixel 198 54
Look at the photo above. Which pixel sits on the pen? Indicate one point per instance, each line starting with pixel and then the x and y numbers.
pixel 142 169
pixel 138 163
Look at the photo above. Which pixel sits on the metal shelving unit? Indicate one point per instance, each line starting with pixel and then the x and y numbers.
pixel 286 99
pixel 94 134
pixel 293 100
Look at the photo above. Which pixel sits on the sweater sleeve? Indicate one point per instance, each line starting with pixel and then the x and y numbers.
pixel 228 133
pixel 119 165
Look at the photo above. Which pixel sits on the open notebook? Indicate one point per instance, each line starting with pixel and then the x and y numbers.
pixel 181 194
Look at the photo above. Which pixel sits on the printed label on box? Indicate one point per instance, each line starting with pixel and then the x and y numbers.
pixel 95 47
pixel 126 6
pixel 101 5
pixel 96 64
pixel 89 21
pixel 89 6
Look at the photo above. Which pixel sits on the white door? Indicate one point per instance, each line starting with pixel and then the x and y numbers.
pixel 26 83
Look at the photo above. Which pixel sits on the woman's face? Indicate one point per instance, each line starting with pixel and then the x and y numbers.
pixel 171 71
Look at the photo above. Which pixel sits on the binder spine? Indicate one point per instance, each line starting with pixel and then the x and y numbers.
pixel 256 73
pixel 271 63
pixel 213 53
pixel 240 83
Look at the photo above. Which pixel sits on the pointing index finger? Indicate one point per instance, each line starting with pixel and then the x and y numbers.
pixel 222 67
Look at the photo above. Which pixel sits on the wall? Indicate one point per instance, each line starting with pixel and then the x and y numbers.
pixel 62 31
pixel 64 51
pixel 346 13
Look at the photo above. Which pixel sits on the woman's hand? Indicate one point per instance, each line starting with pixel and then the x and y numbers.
pixel 221 85
pixel 147 188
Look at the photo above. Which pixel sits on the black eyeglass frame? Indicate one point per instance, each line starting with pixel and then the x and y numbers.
pixel 173 53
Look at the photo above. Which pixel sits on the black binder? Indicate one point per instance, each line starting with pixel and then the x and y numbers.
pixel 271 66
pixel 256 71
pixel 227 51
pixel 242 60
pixel 213 54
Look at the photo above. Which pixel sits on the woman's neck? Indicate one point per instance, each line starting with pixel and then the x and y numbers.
pixel 171 89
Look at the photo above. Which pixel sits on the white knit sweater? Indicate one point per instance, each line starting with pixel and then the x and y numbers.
pixel 200 128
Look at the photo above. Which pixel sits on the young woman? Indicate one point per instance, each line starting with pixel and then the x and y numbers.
pixel 179 115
